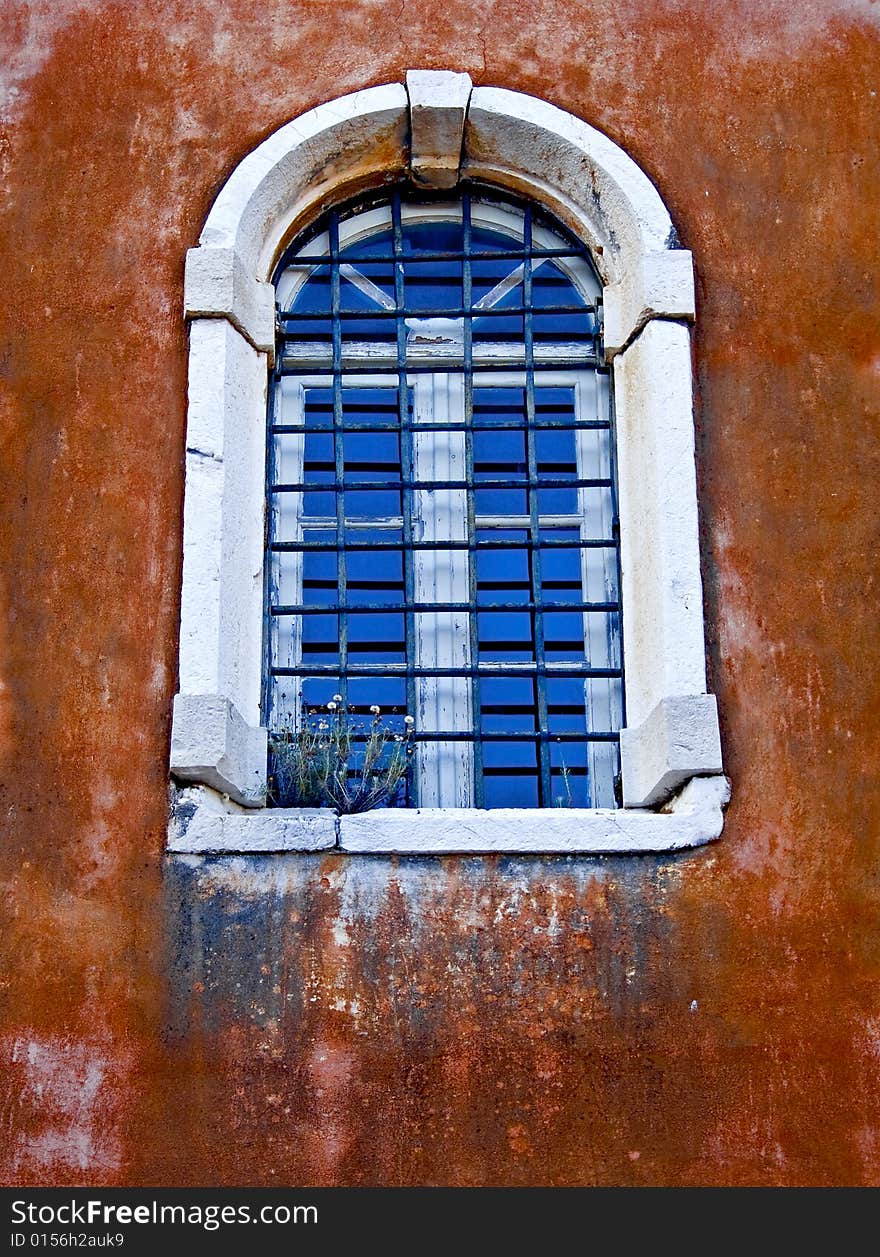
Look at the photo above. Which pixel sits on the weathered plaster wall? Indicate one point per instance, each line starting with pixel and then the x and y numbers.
pixel 711 1018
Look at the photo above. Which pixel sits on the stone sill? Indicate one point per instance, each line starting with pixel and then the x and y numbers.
pixel 203 823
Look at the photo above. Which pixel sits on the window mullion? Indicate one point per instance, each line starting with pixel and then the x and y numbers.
pixel 407 470
pixel 271 628
pixel 339 456
pixel 473 623
pixel 546 791
pixel 441 569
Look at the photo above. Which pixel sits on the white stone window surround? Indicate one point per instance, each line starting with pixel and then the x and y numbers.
pixel 438 129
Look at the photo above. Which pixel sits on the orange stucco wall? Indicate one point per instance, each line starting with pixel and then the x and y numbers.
pixel 712 1018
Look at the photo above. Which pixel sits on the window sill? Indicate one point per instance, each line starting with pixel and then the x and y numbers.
pixel 203 823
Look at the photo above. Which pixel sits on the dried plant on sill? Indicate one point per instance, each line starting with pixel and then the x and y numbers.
pixel 565 799
pixel 335 760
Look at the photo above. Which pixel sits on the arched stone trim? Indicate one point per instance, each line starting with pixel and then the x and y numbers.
pixel 504 137
pixel 438 129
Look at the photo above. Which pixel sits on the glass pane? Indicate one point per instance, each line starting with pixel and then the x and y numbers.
pixel 556 456
pixel 508 705
pixel 511 774
pixel 500 459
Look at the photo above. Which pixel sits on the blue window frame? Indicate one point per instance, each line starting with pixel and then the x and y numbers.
pixel 442 526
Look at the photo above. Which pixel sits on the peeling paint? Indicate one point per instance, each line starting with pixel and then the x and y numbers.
pixel 706 1019
pixel 61 1092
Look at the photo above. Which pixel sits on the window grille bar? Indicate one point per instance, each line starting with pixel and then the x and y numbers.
pixel 520 735
pixel 537 616
pixel 512 770
pixel 451 255
pixel 366 486
pixel 488 709
pixel 406 469
pixel 586 425
pixel 388 608
pixel 270 590
pixel 473 621
pixel 562 669
pixel 394 645
pixel 339 452
pixel 382 408
pixel 557 543
pixel 615 525
pixel 485 523
pixel 452 365
pixel 402 311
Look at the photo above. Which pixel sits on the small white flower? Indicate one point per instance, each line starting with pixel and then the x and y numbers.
pixel 337 698
pixel 409 720
pixel 322 724
pixel 331 706
pixel 375 710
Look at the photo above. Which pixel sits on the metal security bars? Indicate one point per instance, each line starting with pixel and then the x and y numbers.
pixel 442 526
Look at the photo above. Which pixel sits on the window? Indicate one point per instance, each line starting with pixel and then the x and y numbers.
pixel 442 482
pixel 442 526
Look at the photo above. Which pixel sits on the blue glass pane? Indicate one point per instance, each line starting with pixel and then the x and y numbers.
pixel 569 774
pixel 556 457
pixel 563 635
pixel 320 639
pixel 388 693
pixel 374 406
pixel 499 407
pixel 551 288
pixel 370 459
pixel 566 710
pixel 560 563
pixel 319 465
pixel 511 774
pixel 319 505
pixel 500 457
pixel 508 704
pixel 317 692
pixel 376 638
pixel 495 327
pixel 506 636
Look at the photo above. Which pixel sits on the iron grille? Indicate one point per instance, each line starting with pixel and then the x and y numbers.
pixel 442 497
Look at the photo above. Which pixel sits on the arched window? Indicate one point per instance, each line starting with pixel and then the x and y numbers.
pixel 445 475
pixel 442 519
